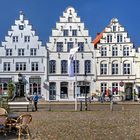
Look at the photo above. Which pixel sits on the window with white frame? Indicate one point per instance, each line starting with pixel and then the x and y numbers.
pixel 59 46
pixel 81 46
pixel 114 28
pixel 21 52
pixel 114 51
pixel 114 68
pixel 103 88
pixel 64 66
pixel 119 38
pixel 76 66
pixel 74 32
pixel 6 66
pixel 69 46
pixel 87 66
pixel 65 32
pixel 69 19
pixel 109 38
pixel 33 51
pixel 52 66
pixel 126 68
pixel 34 66
pixel 126 51
pixel 8 52
pixel 103 68
pixel 103 51
pixel 20 66
pixel 26 38
pixel 15 38
pixel 114 88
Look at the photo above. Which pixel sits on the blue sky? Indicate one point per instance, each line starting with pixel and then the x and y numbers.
pixel 96 14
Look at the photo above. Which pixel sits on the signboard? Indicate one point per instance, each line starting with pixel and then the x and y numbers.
pixel 121 83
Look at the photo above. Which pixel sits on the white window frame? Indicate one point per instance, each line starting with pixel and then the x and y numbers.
pixel 20 52
pixel 20 66
pixel 15 39
pixel 114 51
pixel 6 66
pixel 103 68
pixel 126 68
pixel 114 68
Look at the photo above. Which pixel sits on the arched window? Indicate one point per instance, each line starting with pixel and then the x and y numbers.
pixel 103 68
pixel 64 66
pixel 52 66
pixel 87 66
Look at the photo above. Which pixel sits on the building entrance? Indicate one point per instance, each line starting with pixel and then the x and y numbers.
pixel 128 91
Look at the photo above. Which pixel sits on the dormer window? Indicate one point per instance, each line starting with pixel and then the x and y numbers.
pixel 21 27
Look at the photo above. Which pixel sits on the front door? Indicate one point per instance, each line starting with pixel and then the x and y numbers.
pixel 52 91
pixel 128 91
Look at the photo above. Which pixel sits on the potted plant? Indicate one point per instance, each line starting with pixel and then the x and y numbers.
pixel 11 88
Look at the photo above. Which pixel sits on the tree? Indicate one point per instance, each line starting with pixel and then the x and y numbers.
pixel 11 88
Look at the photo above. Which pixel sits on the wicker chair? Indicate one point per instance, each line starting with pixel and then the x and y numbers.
pixel 3 111
pixel 23 125
pixel 3 123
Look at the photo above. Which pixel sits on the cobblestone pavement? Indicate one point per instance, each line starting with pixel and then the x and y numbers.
pixel 123 123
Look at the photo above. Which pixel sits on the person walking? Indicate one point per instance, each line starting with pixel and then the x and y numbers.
pixel 35 99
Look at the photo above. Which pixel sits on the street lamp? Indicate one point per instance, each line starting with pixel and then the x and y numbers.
pixel 85 82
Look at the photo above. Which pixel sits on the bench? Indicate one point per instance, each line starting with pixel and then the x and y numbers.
pixel 19 105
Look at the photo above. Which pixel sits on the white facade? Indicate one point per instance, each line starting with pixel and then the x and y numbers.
pixel 70 32
pixel 115 61
pixel 23 53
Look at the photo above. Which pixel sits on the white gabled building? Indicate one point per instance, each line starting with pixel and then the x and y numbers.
pixel 70 32
pixel 115 61
pixel 23 59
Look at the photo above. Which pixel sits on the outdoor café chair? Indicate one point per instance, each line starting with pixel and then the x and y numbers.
pixel 22 124
pixel 3 123
pixel 3 111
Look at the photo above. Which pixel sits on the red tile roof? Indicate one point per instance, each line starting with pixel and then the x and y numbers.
pixel 97 39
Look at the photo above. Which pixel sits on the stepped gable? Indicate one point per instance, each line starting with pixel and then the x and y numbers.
pixel 64 31
pixel 21 34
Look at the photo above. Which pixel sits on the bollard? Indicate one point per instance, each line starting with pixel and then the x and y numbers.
pixel 111 105
pixel 80 105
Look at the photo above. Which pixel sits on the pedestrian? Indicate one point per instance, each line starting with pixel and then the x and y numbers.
pixel 103 97
pixel 110 95
pixel 35 99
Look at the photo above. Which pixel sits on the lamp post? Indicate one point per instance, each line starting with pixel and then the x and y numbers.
pixel 85 82
pixel 20 81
